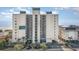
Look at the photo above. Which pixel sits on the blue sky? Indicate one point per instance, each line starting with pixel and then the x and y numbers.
pixel 67 15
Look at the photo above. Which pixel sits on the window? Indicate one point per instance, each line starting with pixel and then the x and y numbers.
pixel 15 32
pixel 15 20
pixel 15 26
pixel 0 30
pixel 21 27
pixel 55 20
pixel 42 26
pixel 15 38
pixel 15 23
pixel 36 26
pixel 15 29
pixel 78 32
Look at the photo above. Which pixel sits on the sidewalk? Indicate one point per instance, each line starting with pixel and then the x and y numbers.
pixel 66 49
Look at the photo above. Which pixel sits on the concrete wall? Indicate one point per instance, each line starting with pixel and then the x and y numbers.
pixel 20 21
pixel 51 28
pixel 71 33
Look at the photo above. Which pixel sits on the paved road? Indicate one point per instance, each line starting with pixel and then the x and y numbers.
pixel 66 49
pixel 75 49
pixel 53 49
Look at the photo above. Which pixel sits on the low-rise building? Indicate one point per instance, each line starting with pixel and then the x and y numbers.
pixel 69 33
pixel 5 33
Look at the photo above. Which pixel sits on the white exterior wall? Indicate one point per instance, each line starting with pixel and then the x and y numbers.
pixel 51 28
pixel 71 33
pixel 15 16
pixel 56 28
pixel 21 21
pixel 33 34
pixel 38 28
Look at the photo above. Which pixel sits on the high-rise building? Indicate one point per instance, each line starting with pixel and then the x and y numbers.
pixel 36 27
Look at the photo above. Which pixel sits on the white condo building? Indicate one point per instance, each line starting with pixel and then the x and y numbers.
pixel 35 27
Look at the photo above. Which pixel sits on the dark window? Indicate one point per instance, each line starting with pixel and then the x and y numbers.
pixel 29 26
pixel 15 38
pixel 15 23
pixel 70 28
pixel 78 32
pixel 36 26
pixel 15 32
pixel 15 20
pixel 36 8
pixel 21 27
pixel 0 30
pixel 22 12
pixel 42 40
pixel 49 12
pixel 42 28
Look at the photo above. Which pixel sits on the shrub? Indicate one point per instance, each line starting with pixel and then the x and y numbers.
pixel 67 44
pixel 29 46
pixel 36 46
pixel 18 46
pixel 43 46
pixel 2 43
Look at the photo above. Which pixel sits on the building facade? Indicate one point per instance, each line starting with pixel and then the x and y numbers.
pixel 69 33
pixel 35 27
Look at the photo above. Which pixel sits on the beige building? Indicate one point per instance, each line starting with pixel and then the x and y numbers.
pixel 5 33
pixel 19 21
pixel 35 27
pixel 61 32
pixel 69 33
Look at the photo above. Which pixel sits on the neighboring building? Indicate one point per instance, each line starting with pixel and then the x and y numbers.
pixel 61 32
pixel 36 27
pixel 5 32
pixel 69 33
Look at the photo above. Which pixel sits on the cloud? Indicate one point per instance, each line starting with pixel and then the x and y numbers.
pixel 65 8
pixel 61 8
pixel 6 14
pixel 42 12
pixel 75 10
pixel 11 11
pixel 23 9
pixel 54 12
pixel 17 10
